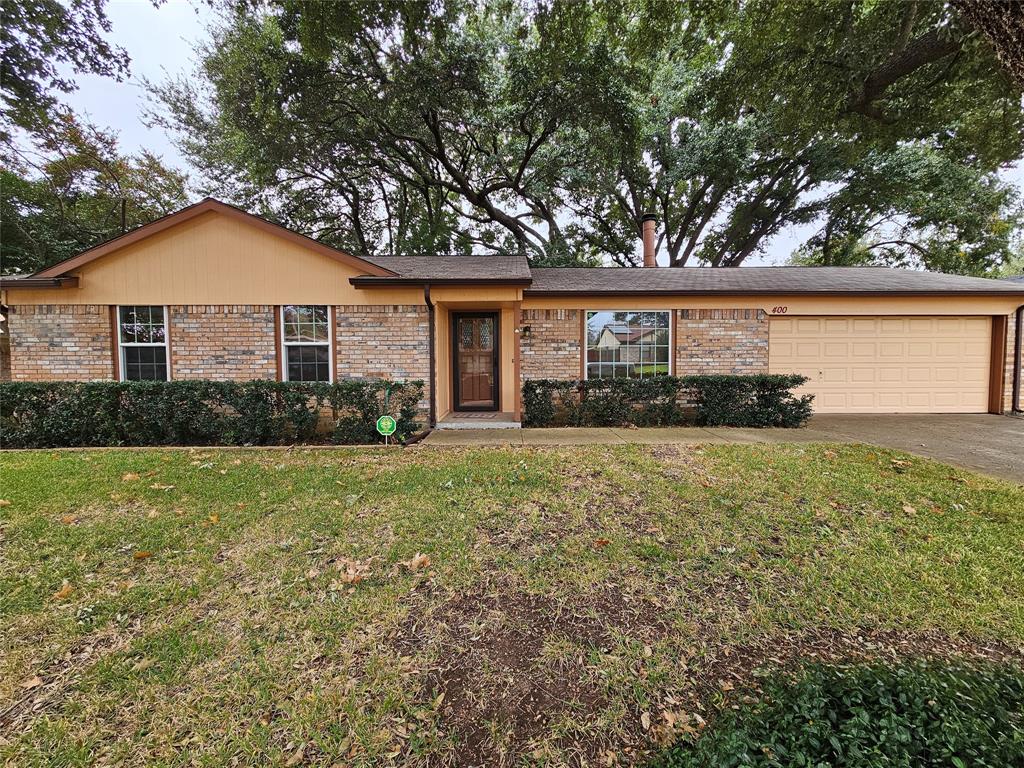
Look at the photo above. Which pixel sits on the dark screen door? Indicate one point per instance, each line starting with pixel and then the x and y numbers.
pixel 476 378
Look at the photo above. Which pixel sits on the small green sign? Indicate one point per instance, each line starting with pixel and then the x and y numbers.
pixel 387 425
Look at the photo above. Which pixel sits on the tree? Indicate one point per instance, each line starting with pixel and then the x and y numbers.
pixel 551 128
pixel 36 38
pixel 1002 22
pixel 66 192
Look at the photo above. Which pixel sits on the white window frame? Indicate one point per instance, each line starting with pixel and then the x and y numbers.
pixel 671 337
pixel 283 363
pixel 166 344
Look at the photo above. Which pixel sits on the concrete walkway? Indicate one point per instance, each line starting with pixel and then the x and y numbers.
pixel 993 445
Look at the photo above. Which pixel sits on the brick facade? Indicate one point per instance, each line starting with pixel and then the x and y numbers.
pixel 389 341
pixel 552 349
pixel 60 342
pixel 1011 330
pixel 223 343
pixel 721 341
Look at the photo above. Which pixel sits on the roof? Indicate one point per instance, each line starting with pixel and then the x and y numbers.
pixel 1015 278
pixel 499 268
pixel 619 281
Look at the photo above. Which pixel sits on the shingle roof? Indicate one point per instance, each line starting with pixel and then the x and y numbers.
pixel 499 268
pixel 755 280
pixel 1015 278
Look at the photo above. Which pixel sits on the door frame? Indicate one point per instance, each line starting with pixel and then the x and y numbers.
pixel 495 354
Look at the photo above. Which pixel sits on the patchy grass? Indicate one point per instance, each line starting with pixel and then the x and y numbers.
pixel 580 606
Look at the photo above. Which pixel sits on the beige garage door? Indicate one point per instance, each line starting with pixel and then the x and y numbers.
pixel 886 364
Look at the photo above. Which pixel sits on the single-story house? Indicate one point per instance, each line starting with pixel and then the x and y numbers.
pixel 212 292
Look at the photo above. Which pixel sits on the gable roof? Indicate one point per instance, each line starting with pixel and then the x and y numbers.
pixel 500 268
pixel 698 281
pixel 61 268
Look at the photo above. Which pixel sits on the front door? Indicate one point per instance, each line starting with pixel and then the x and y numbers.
pixel 475 358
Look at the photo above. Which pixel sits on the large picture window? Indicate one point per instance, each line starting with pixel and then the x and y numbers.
pixel 142 338
pixel 628 344
pixel 306 339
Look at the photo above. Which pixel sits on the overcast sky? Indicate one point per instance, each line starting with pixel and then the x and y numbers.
pixel 160 41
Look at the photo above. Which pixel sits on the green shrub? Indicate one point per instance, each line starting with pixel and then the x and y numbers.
pixel 70 414
pixel 739 401
pixel 871 716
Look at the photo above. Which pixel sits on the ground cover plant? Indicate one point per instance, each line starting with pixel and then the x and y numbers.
pixel 427 606
pixel 924 714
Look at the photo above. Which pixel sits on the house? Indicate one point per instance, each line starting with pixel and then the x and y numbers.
pixel 212 292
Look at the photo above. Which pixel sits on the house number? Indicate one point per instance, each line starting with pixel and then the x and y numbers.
pixel 780 310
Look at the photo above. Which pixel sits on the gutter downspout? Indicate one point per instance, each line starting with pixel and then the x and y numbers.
pixel 433 360
pixel 1015 405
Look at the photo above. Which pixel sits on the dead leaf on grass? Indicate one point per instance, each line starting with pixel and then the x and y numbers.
pixel 417 561
pixel 909 509
pixel 645 721
pixel 5 503
pixel 143 664
pixel 69 520
pixel 297 756
pixel 129 476
pixel 65 591
pixel 161 487
pixel 352 571
pixel 601 543
pixel 142 554
pixel 32 682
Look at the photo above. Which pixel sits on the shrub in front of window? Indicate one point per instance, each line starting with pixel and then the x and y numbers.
pixel 740 401
pixel 928 714
pixel 72 414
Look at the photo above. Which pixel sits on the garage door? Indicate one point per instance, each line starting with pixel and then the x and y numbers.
pixel 886 364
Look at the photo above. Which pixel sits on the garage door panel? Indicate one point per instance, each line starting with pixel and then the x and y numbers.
pixel 886 364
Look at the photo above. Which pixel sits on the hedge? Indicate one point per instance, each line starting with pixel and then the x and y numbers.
pixel 948 715
pixel 736 401
pixel 68 414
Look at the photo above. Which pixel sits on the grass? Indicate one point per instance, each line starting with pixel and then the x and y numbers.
pixel 579 606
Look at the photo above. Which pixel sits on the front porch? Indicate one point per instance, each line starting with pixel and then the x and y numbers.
pixel 479 420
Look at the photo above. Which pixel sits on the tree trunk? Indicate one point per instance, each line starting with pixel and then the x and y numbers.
pixel 1002 22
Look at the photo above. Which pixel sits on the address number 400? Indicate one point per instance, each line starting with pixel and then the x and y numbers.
pixel 780 310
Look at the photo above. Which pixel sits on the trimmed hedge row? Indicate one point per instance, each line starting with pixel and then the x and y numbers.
pixel 914 714
pixel 735 401
pixel 69 414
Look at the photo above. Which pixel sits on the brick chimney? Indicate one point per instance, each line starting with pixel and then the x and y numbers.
pixel 647 225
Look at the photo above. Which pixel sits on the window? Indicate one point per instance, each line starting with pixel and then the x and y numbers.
pixel 628 344
pixel 142 337
pixel 306 336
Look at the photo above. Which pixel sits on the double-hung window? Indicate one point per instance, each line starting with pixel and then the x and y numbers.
pixel 142 339
pixel 306 339
pixel 627 344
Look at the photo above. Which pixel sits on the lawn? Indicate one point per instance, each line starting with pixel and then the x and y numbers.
pixel 573 606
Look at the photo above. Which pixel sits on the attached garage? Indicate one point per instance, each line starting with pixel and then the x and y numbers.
pixel 886 364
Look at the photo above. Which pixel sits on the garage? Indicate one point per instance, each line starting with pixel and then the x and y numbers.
pixel 887 364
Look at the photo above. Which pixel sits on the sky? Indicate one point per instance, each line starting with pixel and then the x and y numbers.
pixel 160 41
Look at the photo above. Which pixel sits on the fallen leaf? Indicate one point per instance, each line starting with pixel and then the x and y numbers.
pixel 129 476
pixel 601 543
pixel 142 554
pixel 65 591
pixel 142 665
pixel 214 518
pixel 69 520
pixel 645 720
pixel 419 560
pixel 297 756
pixel 159 487
pixel 152 513
pixel 32 682
pixel 4 503
pixel 909 509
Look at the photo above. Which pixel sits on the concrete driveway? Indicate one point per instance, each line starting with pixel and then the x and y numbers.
pixel 993 445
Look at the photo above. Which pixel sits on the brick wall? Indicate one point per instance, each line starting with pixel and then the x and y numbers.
pixel 721 341
pixel 389 341
pixel 223 343
pixel 552 350
pixel 60 342
pixel 1011 338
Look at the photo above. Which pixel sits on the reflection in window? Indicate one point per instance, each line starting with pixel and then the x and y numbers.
pixel 306 333
pixel 142 338
pixel 628 344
